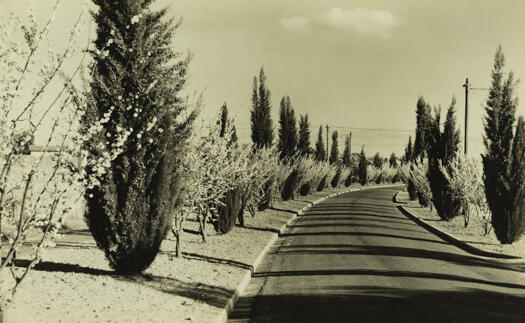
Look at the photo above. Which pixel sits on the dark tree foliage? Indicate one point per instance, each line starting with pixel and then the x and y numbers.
pixel 261 121
pixel 320 153
pixel 363 163
pixel 290 185
pixel 305 189
pixel 348 180
pixel 334 149
pixel 322 184
pixel 347 153
pixel 442 148
pixel 227 213
pixel 224 121
pixel 303 146
pixel 287 129
pixel 377 162
pixel 516 222
pixel 498 158
pixel 336 179
pixel 392 161
pixel 266 198
pixel 411 189
pixel 409 153
pixel 422 127
pixel 137 82
pixel 231 207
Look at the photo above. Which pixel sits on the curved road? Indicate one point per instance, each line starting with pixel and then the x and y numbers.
pixel 356 258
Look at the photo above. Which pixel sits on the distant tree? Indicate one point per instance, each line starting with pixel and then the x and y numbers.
pixel 363 163
pixel 303 146
pixel 499 159
pixel 422 128
pixel 443 146
pixel 320 153
pixel 409 153
pixel 392 160
pixel 347 153
pixel 287 129
pixel 224 121
pixel 261 121
pixel 334 149
pixel 378 161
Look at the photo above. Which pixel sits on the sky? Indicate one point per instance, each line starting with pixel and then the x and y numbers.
pixel 355 65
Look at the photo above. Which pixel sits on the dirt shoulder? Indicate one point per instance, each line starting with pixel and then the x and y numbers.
pixel 473 234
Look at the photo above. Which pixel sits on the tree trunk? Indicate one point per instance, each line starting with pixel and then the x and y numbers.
pixel 178 241
pixel 202 226
pixel 240 217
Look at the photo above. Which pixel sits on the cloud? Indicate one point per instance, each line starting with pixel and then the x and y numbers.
pixel 300 24
pixel 360 21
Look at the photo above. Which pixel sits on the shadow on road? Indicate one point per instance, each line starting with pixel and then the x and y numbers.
pixel 373 304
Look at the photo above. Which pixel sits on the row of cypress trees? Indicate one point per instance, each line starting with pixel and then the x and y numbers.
pixel 290 139
pixel 503 160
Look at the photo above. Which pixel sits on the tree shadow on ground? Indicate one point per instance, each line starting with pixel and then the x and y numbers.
pixel 377 304
pixel 212 295
pixel 266 229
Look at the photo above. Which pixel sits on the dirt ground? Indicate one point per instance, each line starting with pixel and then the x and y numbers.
pixel 473 234
pixel 75 284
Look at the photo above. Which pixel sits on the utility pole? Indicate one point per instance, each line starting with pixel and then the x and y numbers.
pixel 327 148
pixel 466 86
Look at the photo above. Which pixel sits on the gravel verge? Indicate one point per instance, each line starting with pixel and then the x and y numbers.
pixel 473 235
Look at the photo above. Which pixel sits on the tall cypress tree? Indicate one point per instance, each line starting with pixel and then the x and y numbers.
pixel 377 161
pixel 320 153
pixel 137 78
pixel 261 121
pixel 409 153
pixel 334 148
pixel 224 121
pixel 422 127
pixel 287 129
pixel 362 168
pixel 499 118
pixel 303 146
pixel 443 146
pixel 392 160
pixel 347 153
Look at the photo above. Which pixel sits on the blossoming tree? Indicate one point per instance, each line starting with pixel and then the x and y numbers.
pixel 36 191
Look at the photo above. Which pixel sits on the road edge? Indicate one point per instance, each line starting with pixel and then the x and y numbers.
pixel 241 287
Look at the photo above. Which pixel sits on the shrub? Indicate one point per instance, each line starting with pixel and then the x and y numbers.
pixel 322 184
pixel 418 176
pixel 348 180
pixel 305 189
pixel 228 211
pixel 289 186
pixel 442 148
pixel 336 179
pixel 465 177
pixel 344 176
pixel 411 188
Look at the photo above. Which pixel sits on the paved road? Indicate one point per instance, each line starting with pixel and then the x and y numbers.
pixel 356 258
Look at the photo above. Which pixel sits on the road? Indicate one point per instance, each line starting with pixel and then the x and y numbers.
pixel 357 258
